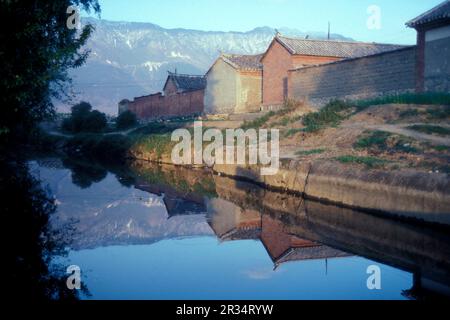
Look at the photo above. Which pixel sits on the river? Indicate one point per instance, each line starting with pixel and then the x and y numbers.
pixel 142 231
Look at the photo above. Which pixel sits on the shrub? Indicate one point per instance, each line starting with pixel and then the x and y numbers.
pixel 126 120
pixel 330 115
pixel 108 147
pixel 310 152
pixel 95 121
pixel 439 113
pixel 430 129
pixel 258 123
pixel 83 119
pixel 409 113
pixel 407 98
pixel 385 141
pixel 375 139
pixel 292 132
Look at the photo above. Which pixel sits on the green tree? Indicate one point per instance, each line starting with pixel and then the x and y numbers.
pixel 126 120
pixel 95 122
pixel 83 119
pixel 36 50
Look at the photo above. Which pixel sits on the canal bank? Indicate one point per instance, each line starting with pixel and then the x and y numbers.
pixel 406 194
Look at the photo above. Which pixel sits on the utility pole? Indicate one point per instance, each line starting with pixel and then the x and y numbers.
pixel 329 29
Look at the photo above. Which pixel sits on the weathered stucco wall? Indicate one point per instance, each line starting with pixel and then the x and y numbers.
pixel 370 76
pixel 249 89
pixel 221 89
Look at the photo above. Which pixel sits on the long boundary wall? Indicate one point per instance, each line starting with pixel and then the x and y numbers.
pixel 386 73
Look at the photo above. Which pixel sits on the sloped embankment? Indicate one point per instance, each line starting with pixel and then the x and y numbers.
pixel 404 194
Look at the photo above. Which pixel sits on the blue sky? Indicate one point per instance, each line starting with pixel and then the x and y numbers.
pixel 347 17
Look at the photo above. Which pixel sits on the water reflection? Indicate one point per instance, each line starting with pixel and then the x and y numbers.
pixel 152 232
pixel 29 241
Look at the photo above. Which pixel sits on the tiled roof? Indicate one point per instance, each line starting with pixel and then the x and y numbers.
pixel 244 62
pixel 440 12
pixel 333 48
pixel 186 83
pixel 311 253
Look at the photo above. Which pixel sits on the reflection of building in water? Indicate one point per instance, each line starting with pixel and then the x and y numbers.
pixel 229 222
pixel 284 247
pixel 176 203
pixel 424 288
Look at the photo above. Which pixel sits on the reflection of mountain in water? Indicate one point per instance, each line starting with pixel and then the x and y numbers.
pixel 107 213
pixel 176 203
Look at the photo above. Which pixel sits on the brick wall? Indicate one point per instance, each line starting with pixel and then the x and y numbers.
pixel 170 88
pixel 371 76
pixel 158 106
pixel 276 65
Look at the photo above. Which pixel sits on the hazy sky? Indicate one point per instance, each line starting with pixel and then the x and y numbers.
pixel 347 17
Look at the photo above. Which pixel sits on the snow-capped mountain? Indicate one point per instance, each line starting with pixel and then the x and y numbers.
pixel 130 59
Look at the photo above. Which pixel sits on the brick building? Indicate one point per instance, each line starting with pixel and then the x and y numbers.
pixel 182 95
pixel 433 48
pixel 391 72
pixel 285 54
pixel 234 84
pixel 424 67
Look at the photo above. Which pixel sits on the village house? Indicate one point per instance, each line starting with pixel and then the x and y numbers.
pixel 286 54
pixel 423 67
pixel 314 70
pixel 234 84
pixel 182 95
pixel 433 48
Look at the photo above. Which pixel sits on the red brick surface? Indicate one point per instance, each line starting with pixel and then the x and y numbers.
pixel 159 106
pixel 276 64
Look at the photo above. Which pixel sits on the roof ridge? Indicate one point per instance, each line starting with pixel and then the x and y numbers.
pixel 412 21
pixel 242 55
pixel 185 75
pixel 342 41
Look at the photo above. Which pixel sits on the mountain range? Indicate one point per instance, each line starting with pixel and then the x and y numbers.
pixel 129 59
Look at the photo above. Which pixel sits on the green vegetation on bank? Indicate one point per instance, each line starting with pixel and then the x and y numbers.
pixel 155 143
pixel 430 129
pixel 288 106
pixel 330 115
pixel 258 123
pixel 114 147
pixel 406 98
pixel 310 152
pixel 430 113
pixel 126 120
pixel 381 141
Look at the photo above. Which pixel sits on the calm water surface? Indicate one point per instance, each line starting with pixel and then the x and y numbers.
pixel 170 233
